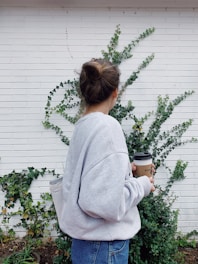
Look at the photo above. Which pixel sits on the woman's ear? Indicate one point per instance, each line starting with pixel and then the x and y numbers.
pixel 115 93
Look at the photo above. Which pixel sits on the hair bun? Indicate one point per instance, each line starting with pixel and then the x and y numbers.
pixel 92 72
pixel 98 79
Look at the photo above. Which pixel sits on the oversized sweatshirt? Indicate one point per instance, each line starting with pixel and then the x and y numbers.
pixel 100 193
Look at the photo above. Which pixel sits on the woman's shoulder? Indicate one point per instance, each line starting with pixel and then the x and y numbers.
pixel 100 124
pixel 109 122
pixel 112 122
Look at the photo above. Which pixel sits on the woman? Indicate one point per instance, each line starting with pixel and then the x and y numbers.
pixel 100 194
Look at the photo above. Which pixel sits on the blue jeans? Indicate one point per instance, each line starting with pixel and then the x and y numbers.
pixel 99 252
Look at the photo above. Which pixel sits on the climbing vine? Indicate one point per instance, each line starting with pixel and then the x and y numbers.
pixel 71 98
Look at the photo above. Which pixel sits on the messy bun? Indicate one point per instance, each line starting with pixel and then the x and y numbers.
pixel 98 79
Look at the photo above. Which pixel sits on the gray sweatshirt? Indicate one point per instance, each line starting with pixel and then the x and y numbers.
pixel 100 193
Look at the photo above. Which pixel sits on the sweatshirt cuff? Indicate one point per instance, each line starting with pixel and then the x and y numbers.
pixel 147 185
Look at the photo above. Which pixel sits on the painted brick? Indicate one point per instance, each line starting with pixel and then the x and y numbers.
pixel 40 46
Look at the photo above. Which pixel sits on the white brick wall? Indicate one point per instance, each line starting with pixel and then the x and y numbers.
pixel 41 46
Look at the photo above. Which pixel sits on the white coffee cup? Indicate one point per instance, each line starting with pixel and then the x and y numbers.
pixel 143 163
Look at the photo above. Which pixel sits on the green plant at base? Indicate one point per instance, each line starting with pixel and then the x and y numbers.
pixel 34 217
pixel 6 235
pixel 63 244
pixel 24 256
pixel 187 240
pixel 16 184
pixel 155 242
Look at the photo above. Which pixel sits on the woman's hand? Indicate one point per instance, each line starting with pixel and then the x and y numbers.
pixel 133 167
pixel 152 182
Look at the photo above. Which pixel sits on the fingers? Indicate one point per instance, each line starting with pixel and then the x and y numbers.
pixel 133 167
pixel 152 182
pixel 153 169
pixel 152 188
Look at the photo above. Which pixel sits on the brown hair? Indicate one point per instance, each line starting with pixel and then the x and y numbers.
pixel 98 79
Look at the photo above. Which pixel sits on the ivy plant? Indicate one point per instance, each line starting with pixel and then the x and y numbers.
pixel 35 217
pixel 70 88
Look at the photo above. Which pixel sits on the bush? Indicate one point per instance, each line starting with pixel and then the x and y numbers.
pixel 34 216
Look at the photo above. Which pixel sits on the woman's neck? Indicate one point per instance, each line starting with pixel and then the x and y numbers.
pixel 103 108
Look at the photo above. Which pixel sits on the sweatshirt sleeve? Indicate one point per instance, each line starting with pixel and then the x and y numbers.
pixel 108 190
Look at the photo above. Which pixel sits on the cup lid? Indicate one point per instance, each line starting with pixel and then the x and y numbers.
pixel 142 156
